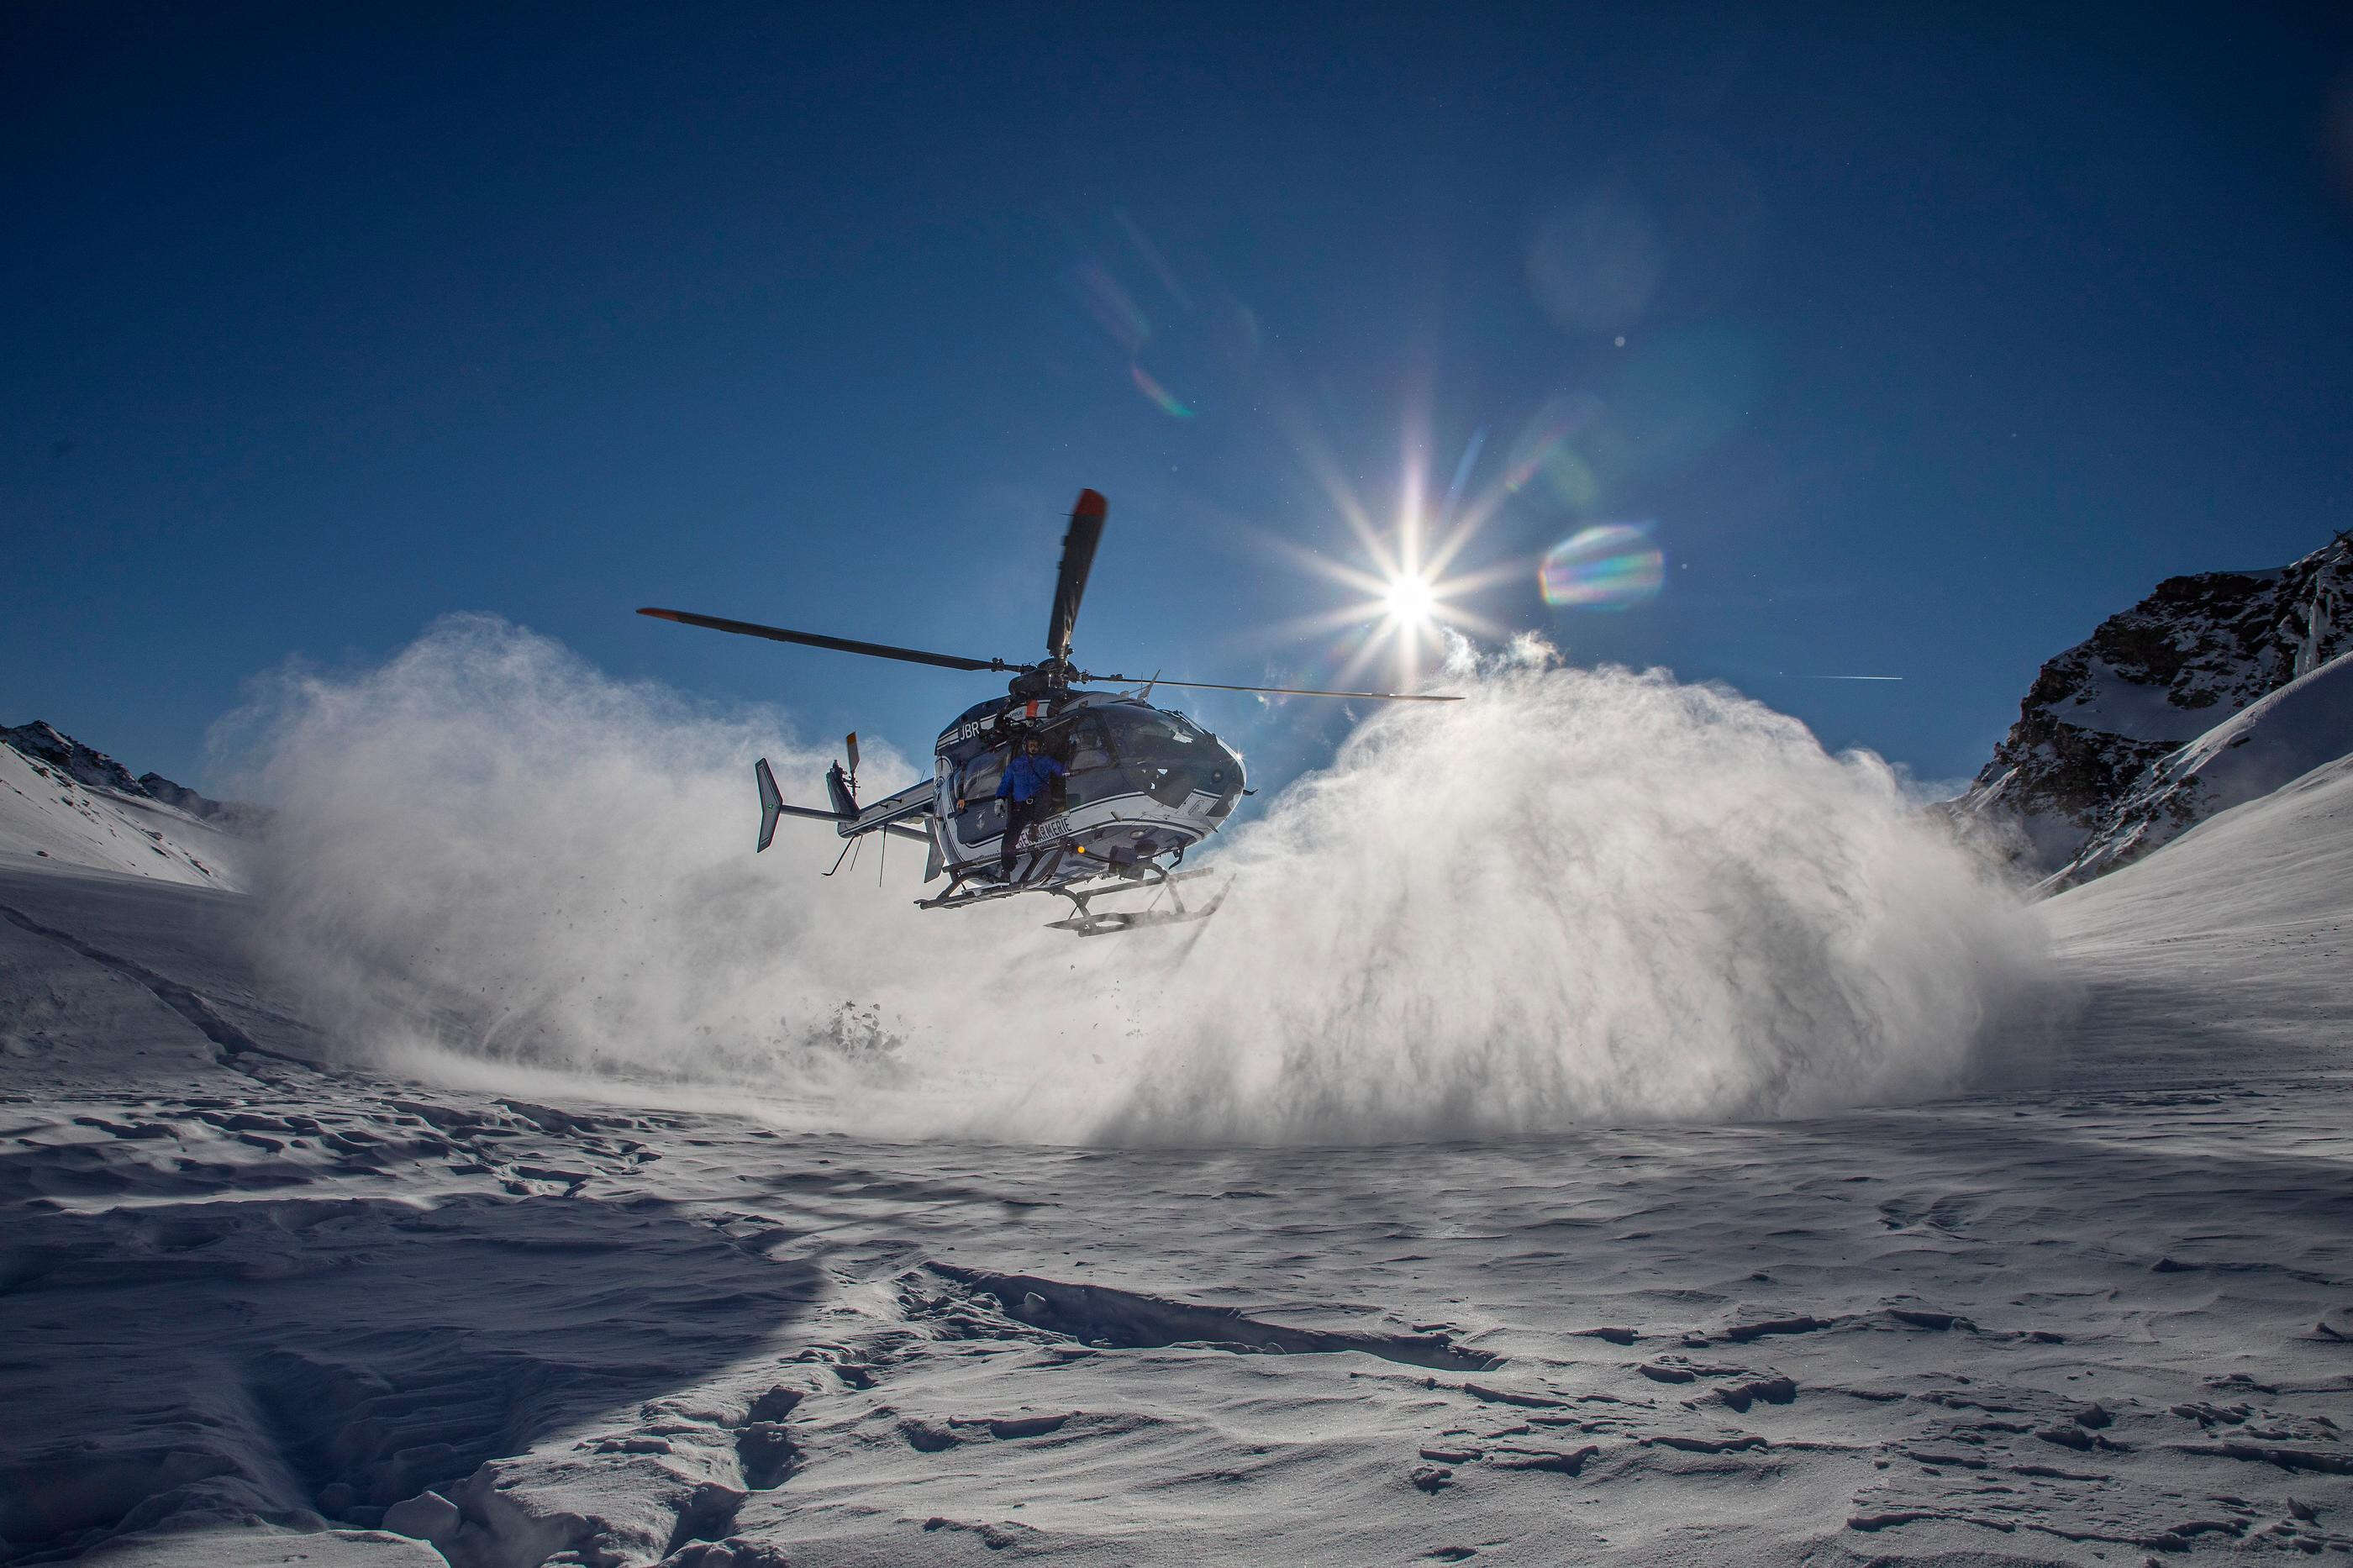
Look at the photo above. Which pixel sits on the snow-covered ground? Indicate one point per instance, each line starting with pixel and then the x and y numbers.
pixel 260 1302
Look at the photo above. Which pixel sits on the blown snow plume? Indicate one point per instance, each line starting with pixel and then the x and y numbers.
pixel 491 850
pixel 1585 895
pixel 1576 896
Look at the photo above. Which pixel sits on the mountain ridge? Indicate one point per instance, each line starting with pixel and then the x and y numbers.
pixel 2065 792
pixel 71 804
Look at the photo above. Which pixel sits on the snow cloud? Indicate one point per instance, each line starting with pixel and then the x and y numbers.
pixel 1578 896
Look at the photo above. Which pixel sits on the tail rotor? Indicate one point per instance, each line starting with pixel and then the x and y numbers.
pixel 841 784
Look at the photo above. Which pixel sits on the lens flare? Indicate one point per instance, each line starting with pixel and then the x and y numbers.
pixel 1610 566
pixel 1161 396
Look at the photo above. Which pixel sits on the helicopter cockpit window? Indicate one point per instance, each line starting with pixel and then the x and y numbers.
pixel 1159 737
pixel 1094 771
pixel 1087 748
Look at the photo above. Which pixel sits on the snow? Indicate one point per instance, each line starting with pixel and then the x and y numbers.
pixel 2301 726
pixel 2234 943
pixel 47 814
pixel 268 1291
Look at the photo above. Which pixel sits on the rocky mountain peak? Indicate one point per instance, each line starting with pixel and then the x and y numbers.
pixel 43 741
pixel 2196 651
pixel 93 769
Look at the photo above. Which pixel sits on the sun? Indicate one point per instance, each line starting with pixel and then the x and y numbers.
pixel 1410 601
pixel 1410 595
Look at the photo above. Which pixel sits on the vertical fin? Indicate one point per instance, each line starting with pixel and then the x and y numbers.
pixel 771 803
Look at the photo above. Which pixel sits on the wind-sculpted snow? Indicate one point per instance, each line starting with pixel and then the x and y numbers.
pixel 1576 896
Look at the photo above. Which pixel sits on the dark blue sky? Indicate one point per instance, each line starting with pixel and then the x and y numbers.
pixel 1947 331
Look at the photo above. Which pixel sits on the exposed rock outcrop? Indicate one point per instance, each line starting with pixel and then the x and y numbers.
pixel 2084 783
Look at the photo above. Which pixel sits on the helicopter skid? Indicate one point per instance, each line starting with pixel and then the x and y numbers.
pixel 1087 922
pixel 1081 891
pixel 1108 921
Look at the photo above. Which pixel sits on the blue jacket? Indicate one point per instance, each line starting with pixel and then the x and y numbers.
pixel 1026 776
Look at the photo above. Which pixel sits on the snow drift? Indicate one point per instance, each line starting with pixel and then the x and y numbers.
pixel 1576 896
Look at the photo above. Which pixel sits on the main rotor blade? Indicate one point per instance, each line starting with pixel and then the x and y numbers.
pixel 1272 690
pixel 840 645
pixel 1078 559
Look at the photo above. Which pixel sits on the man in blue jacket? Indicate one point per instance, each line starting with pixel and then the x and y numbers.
pixel 1027 791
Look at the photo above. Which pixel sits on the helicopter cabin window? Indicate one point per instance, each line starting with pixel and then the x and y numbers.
pixel 980 776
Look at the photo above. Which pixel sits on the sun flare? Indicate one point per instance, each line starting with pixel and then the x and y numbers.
pixel 1410 601
pixel 1409 597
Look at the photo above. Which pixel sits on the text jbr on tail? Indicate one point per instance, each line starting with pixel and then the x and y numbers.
pixel 1049 788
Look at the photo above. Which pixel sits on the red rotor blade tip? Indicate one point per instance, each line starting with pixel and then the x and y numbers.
pixel 660 614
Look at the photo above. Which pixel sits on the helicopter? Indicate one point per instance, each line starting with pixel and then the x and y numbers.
pixel 1141 785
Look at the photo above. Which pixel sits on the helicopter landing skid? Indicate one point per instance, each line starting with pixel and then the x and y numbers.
pixel 1086 921
pixel 1093 922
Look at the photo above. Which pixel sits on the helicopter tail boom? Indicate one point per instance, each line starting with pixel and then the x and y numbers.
pixel 883 816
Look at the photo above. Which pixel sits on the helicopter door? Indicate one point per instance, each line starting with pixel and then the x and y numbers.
pixel 983 816
pixel 1086 752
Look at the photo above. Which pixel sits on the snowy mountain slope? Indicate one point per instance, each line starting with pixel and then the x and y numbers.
pixel 64 803
pixel 269 1307
pixel 2278 737
pixel 268 1300
pixel 2231 947
pixel 2196 651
